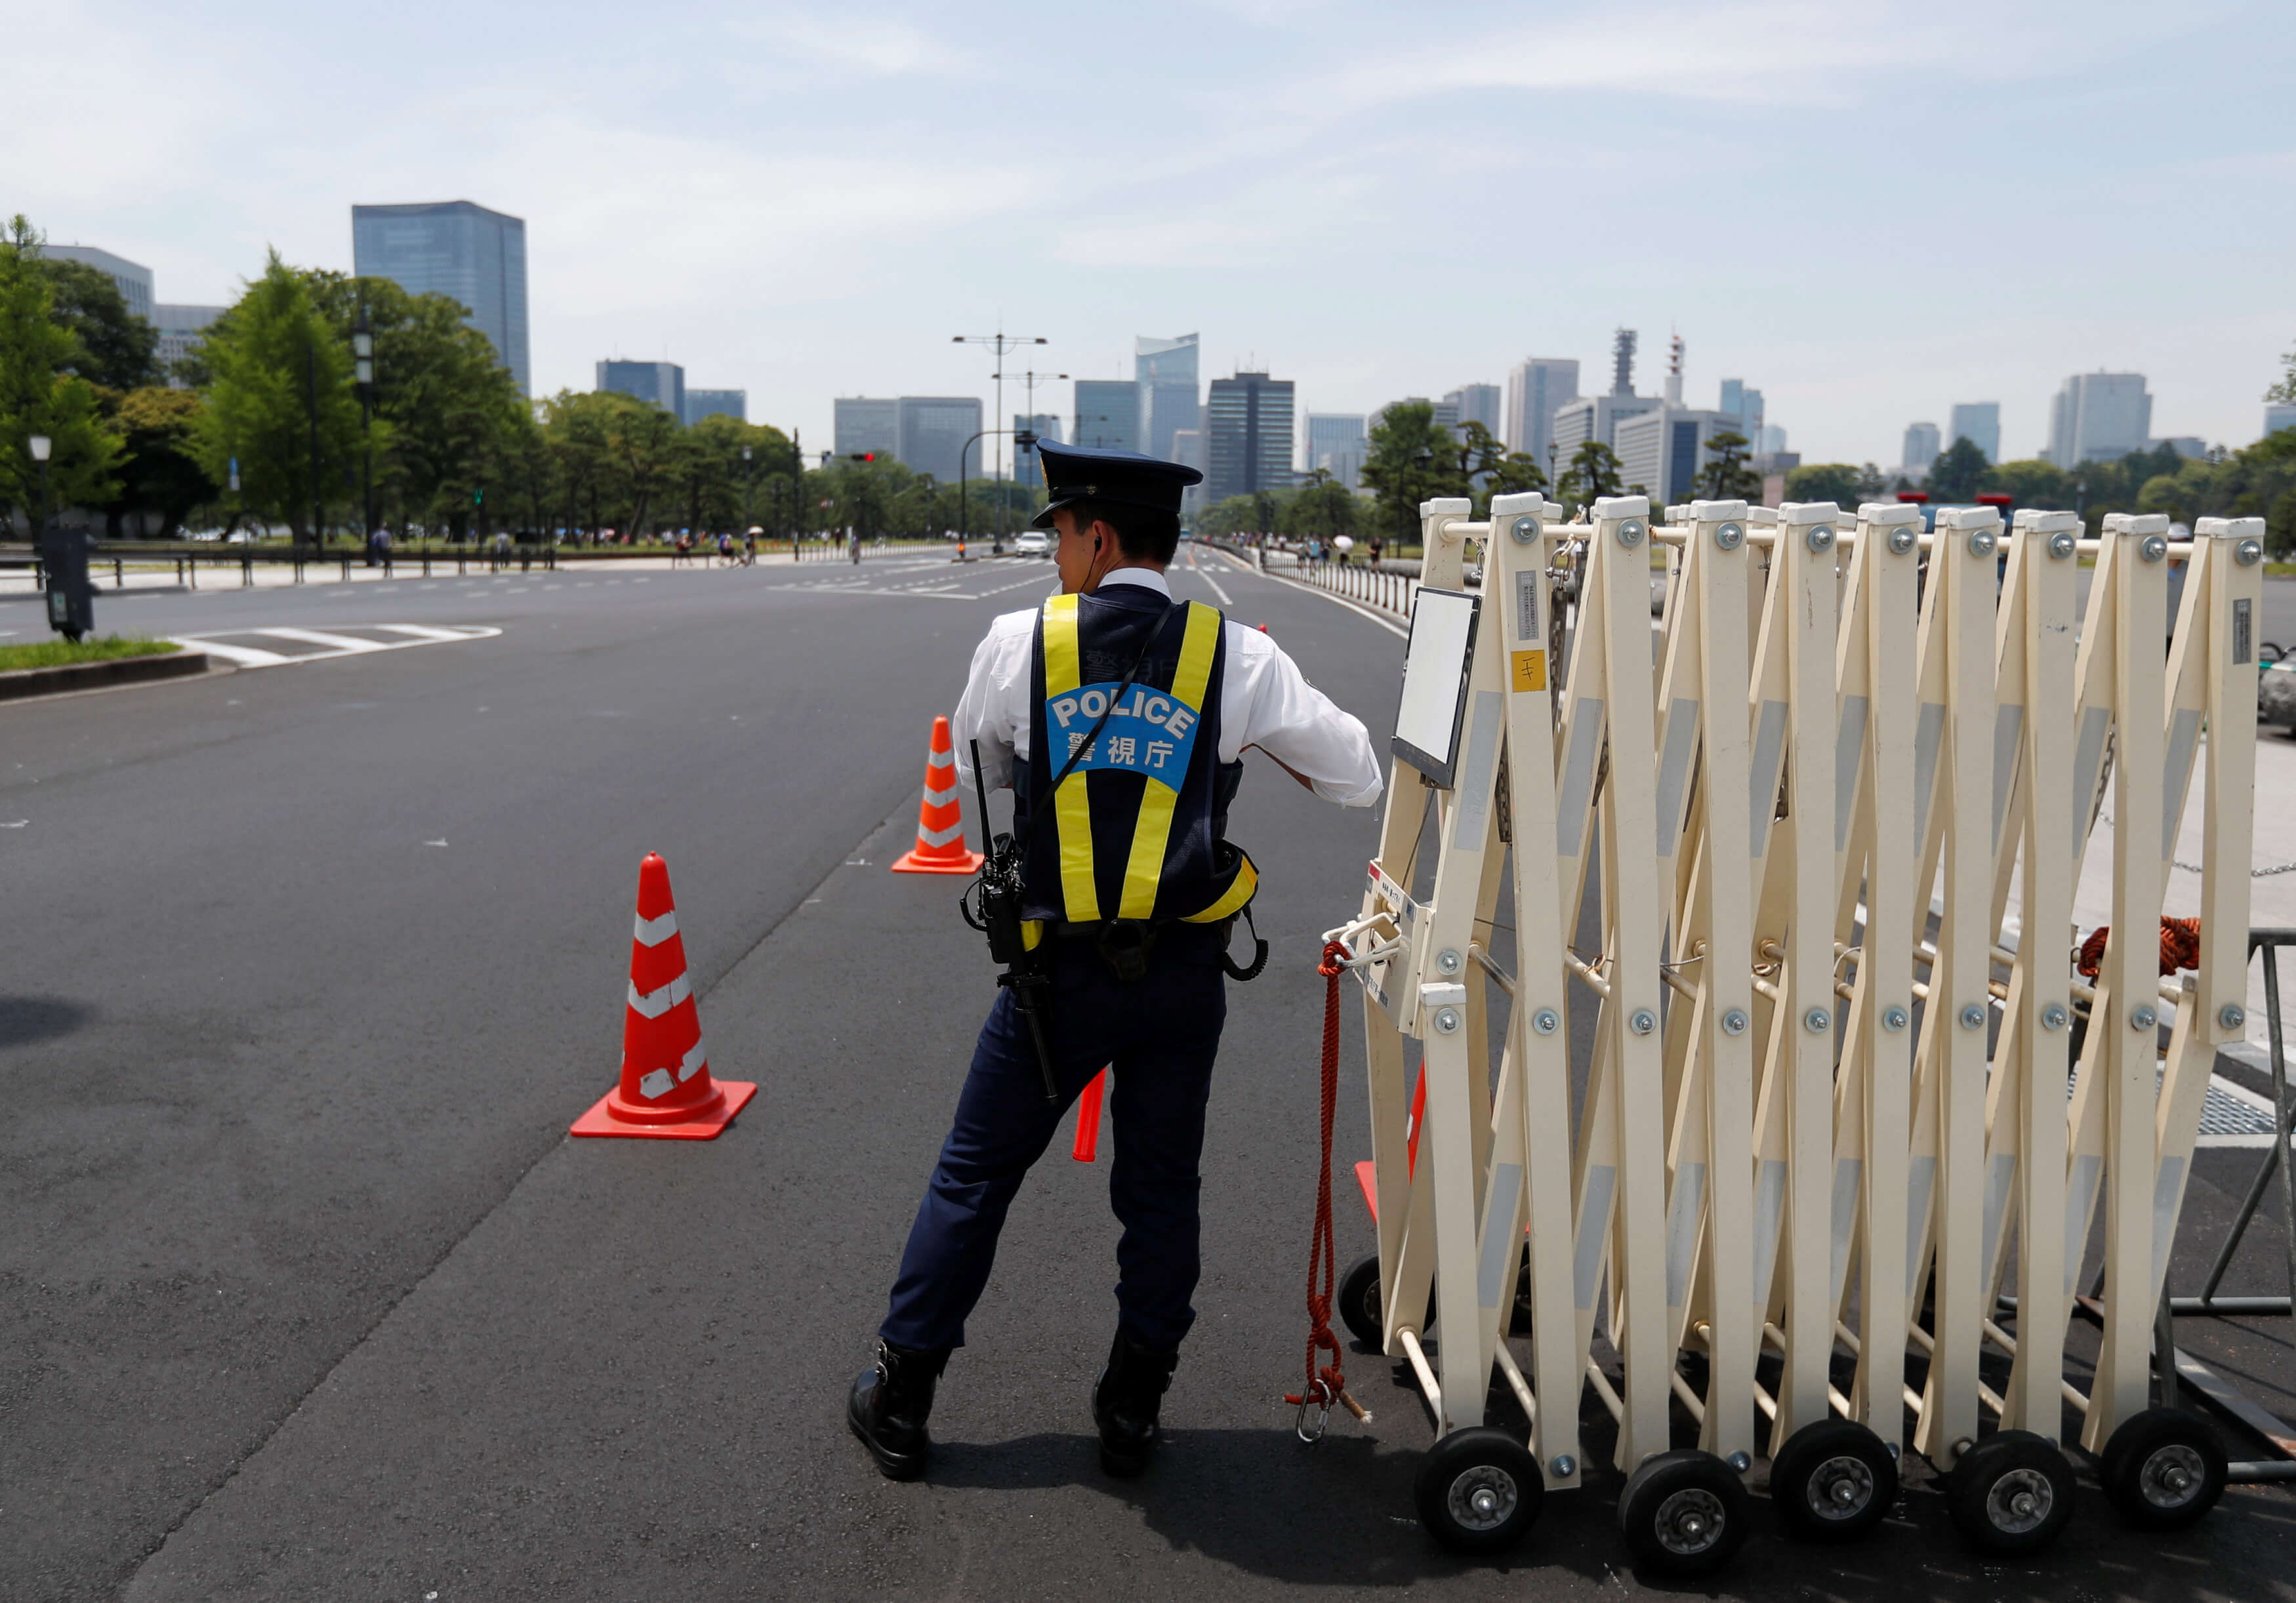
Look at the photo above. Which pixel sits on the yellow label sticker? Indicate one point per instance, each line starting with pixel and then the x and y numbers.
pixel 1531 670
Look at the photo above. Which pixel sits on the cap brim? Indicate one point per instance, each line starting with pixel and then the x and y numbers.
pixel 1044 520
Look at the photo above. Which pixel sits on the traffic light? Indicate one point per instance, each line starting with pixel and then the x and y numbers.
pixel 861 456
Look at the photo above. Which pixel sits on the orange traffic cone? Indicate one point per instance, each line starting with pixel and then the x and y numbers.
pixel 665 1089
pixel 940 817
pixel 1087 1131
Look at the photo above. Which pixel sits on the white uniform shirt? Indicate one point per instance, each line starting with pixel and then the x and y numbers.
pixel 1264 702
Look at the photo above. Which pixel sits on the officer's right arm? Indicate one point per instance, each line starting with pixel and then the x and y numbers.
pixel 994 709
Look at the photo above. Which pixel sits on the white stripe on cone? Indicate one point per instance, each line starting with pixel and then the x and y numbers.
pixel 939 836
pixel 939 798
pixel 941 759
pixel 653 932
pixel 653 1004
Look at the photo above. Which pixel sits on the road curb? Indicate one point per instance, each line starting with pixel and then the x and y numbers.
pixel 20 684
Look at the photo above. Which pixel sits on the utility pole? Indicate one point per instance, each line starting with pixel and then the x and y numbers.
pixel 1001 345
pixel 363 373
pixel 311 399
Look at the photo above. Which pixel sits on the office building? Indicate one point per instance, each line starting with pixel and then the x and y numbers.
pixel 1170 397
pixel 1662 450
pixel 1335 444
pixel 455 248
pixel 1475 404
pixel 1920 449
pixel 1188 451
pixel 1026 468
pixel 2192 447
pixel 180 328
pixel 1247 436
pixel 662 383
pixel 1770 440
pixel 1535 389
pixel 716 403
pixel 1980 423
pixel 2099 415
pixel 1593 417
pixel 133 279
pixel 1108 414
pixel 867 425
pixel 2278 415
pixel 1743 402
pixel 933 432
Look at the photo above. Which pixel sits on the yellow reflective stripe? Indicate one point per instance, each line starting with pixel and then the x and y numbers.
pixel 1032 934
pixel 1071 804
pixel 1240 891
pixel 1143 871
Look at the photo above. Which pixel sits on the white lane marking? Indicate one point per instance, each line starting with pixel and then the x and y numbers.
pixel 434 843
pixel 335 645
pixel 15 823
pixel 1226 599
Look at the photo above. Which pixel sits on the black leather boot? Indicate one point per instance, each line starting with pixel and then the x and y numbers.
pixel 1125 1402
pixel 888 1407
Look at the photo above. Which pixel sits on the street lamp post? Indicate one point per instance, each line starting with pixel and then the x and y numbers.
pixel 749 492
pixel 311 403
pixel 362 371
pixel 961 505
pixel 1001 344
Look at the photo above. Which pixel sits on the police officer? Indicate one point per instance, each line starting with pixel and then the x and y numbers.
pixel 1131 890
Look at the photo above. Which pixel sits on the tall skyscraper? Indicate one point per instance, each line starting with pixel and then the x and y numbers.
pixel 1662 450
pixel 866 424
pixel 1335 444
pixel 2278 415
pixel 456 249
pixel 1980 423
pixel 2099 415
pixel 1475 404
pixel 933 430
pixel 1921 447
pixel 1188 451
pixel 1743 402
pixel 1108 413
pixel 661 382
pixel 1535 389
pixel 180 328
pixel 133 278
pixel 1169 396
pixel 1248 430
pixel 1045 426
pixel 716 403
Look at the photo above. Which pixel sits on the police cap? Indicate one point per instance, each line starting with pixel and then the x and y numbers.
pixel 1074 473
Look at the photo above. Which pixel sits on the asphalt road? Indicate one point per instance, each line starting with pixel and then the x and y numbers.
pixel 304 1293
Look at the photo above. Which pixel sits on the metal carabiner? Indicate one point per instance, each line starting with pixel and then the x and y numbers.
pixel 1317 1397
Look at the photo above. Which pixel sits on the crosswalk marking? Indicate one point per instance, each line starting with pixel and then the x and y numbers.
pixel 225 643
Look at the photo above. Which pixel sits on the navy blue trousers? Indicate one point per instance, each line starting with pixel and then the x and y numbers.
pixel 1159 1036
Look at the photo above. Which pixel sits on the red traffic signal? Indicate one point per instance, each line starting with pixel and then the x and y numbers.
pixel 861 456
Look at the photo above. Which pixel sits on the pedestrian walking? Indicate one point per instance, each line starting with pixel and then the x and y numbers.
pixel 1119 717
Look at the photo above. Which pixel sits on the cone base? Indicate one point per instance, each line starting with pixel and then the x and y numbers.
pixel 601 1120
pixel 912 863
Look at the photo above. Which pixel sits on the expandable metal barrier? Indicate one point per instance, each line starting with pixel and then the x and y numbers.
pixel 1800 1109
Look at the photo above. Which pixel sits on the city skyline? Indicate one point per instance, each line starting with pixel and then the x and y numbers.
pixel 622 152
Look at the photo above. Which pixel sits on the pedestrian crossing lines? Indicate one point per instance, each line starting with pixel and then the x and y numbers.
pixel 279 647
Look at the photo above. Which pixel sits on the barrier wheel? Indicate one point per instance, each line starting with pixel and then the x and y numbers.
pixel 2012 1493
pixel 1832 1481
pixel 1683 1514
pixel 2163 1468
pixel 1480 1490
pixel 1359 1306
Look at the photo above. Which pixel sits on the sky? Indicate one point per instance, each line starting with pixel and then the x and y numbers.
pixel 1871 210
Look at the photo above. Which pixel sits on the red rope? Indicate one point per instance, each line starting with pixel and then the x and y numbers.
pixel 1326 1385
pixel 2180 947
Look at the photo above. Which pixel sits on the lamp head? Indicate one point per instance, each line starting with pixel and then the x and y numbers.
pixel 40 446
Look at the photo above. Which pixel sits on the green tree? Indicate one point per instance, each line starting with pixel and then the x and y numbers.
pixel 2031 482
pixel 40 395
pixel 1726 477
pixel 1834 481
pixel 2284 389
pixel 1514 474
pixel 280 377
pixel 160 471
pixel 1956 475
pixel 1411 458
pixel 1593 473
pixel 115 346
pixel 1323 511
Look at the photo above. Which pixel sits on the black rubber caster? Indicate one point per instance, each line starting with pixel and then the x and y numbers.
pixel 1480 1490
pixel 1832 1481
pixel 2163 1468
pixel 2011 1493
pixel 1359 1307
pixel 1683 1514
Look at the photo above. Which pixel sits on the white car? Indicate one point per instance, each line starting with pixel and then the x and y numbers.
pixel 1032 542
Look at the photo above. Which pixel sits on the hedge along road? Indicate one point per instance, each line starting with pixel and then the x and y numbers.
pixel 455 1354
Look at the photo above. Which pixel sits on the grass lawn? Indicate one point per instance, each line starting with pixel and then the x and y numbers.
pixel 57 653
